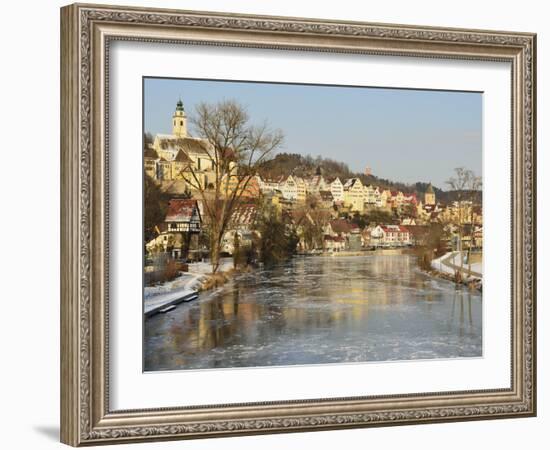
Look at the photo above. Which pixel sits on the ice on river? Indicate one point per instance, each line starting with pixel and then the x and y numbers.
pixel 320 310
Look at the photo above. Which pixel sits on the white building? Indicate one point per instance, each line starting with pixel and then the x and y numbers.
pixel 289 188
pixel 372 195
pixel 390 236
pixel 337 190
pixel 316 184
pixel 267 186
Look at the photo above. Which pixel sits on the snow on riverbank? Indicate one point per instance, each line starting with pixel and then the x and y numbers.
pixel 189 280
pixel 205 268
pixel 186 284
pixel 449 263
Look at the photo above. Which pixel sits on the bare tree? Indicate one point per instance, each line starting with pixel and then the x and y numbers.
pixel 309 223
pixel 474 185
pixel 236 149
pixel 465 184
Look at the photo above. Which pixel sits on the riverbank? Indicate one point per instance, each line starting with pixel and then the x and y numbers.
pixel 449 268
pixel 184 288
pixel 363 252
pixel 214 280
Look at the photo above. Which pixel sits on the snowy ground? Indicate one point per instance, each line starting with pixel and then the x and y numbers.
pixel 206 267
pixel 156 297
pixel 450 262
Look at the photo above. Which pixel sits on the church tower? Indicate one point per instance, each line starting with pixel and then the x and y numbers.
pixel 179 121
pixel 429 195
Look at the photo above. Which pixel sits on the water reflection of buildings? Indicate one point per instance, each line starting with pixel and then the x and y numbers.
pixel 322 299
pixel 462 300
pixel 332 297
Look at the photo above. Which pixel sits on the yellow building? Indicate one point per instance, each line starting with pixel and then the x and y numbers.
pixel 178 156
pixel 301 190
pixel 429 196
pixel 354 195
pixel 179 121
pixel 463 212
pixel 385 199
pixel 150 158
pixel 246 186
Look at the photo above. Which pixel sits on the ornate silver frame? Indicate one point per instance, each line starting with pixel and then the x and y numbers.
pixel 86 31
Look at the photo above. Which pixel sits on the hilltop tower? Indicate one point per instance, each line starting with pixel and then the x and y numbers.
pixel 429 195
pixel 179 121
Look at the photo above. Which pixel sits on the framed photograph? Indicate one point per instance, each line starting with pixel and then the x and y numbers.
pixel 276 224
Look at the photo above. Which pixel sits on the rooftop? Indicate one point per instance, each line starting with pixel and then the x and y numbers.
pixel 181 210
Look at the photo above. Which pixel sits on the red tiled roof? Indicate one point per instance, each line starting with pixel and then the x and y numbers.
pixel 342 226
pixel 394 228
pixel 181 210
pixel 244 214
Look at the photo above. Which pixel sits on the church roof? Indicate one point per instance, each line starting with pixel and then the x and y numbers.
pixel 187 144
pixel 430 189
pixel 182 157
pixel 150 153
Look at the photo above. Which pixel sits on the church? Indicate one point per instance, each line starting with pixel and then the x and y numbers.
pixel 170 156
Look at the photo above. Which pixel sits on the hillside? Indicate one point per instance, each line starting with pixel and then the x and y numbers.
pixel 284 164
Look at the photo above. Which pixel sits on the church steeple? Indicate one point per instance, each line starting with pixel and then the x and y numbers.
pixel 179 121
pixel 429 195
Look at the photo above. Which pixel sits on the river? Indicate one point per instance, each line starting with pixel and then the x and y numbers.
pixel 319 310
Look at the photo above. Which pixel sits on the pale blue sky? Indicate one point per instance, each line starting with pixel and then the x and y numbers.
pixel 402 134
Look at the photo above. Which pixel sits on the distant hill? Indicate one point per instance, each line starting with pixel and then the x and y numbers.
pixel 284 164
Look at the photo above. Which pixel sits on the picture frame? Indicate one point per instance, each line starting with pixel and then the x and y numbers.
pixel 87 32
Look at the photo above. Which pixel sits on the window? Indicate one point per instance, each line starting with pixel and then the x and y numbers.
pixel 181 123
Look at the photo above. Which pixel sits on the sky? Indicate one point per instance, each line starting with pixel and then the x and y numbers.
pixel 403 135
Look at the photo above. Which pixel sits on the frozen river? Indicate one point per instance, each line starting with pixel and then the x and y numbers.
pixel 319 310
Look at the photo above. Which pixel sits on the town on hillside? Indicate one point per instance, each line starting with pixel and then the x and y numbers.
pixel 255 251
pixel 194 187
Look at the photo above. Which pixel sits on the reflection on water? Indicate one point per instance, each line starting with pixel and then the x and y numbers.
pixel 319 310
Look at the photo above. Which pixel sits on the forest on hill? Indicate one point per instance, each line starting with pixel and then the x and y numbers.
pixel 284 164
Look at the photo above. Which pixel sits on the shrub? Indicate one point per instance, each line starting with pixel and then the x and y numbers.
pixel 170 271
